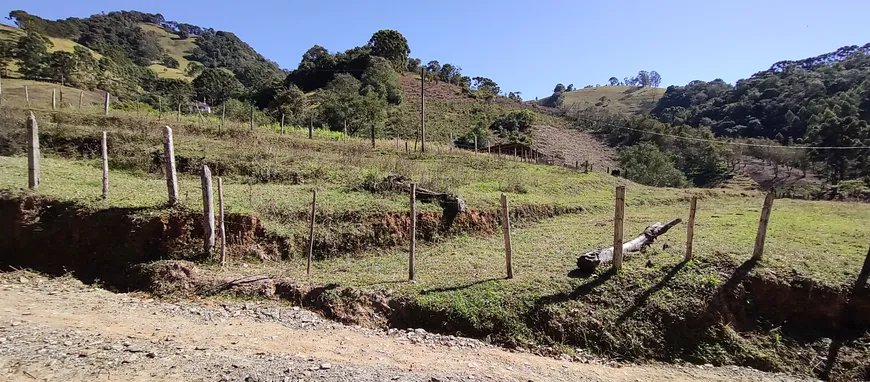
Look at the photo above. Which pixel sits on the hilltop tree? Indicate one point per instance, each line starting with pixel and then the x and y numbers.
pixel 559 88
pixel 642 78
pixel 390 44
pixel 570 88
pixel 61 65
pixel 613 81
pixel 216 86
pixel 450 74
pixel 193 69
pixel 484 88
pixel 655 79
pixel 414 65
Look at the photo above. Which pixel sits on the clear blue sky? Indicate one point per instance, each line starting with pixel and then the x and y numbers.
pixel 530 46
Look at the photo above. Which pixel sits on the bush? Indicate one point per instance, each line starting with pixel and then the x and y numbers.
pixel 170 62
pixel 646 164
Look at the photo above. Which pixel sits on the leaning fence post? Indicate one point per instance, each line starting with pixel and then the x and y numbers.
pixel 53 99
pixel 27 96
pixel 508 248
pixel 282 123
pixel 690 230
pixel 222 227
pixel 207 210
pixel 311 231
pixel 169 157
pixel 107 103
pixel 618 219
pixel 413 233
pixel 105 150
pixel 81 98
pixel 32 152
pixel 762 226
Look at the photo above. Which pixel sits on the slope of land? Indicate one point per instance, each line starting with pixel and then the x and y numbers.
pixel 9 33
pixel 615 99
pixel 40 96
pixel 719 308
pixel 175 47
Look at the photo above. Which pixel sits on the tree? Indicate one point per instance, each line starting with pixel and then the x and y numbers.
pixel 433 66
pixel 655 79
pixel 216 86
pixel 449 74
pixel 173 92
pixel 559 88
pixel 646 164
pixel 613 81
pixel 557 99
pixel 414 65
pixel 290 102
pixel 642 78
pixel 60 65
pixel 342 103
pixel 193 69
pixel 32 54
pixel 381 79
pixel 170 62
pixel 390 44
pixel 570 88
pixel 484 88
pixel 7 55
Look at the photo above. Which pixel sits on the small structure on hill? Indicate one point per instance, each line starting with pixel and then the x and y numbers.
pixel 199 107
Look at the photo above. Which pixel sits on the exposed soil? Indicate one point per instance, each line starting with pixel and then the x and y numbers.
pixel 59 329
pixel 569 147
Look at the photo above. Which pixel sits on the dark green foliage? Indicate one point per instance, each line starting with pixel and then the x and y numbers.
pixel 215 86
pixel 341 103
pixel 555 100
pixel 290 102
pixel 613 81
pixel 7 55
pixel 32 54
pixel 514 126
pixel 483 88
pixel 224 50
pixel 390 44
pixel 559 88
pixel 570 88
pixel 450 74
pixel 172 92
pixel 646 164
pixel 382 80
pixel 788 102
pixel 170 62
pixel 414 65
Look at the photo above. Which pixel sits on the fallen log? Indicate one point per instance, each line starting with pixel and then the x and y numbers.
pixel 588 261
pixel 451 204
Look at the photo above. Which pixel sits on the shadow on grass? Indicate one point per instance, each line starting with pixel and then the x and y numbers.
pixel 581 290
pixel 641 300
pixel 458 287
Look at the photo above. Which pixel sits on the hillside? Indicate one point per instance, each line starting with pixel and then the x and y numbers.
pixel 614 99
pixel 175 47
pixel 11 34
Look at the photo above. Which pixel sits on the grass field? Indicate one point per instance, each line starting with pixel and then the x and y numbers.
pixel 8 33
pixel 656 308
pixel 175 47
pixel 615 99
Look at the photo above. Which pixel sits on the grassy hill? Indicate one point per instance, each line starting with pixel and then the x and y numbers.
pixel 40 96
pixel 175 47
pixel 615 99
pixel 9 33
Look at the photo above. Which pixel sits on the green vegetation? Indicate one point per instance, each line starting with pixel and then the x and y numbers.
pixel 818 101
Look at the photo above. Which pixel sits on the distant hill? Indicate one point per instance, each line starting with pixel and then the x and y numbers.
pixel 626 100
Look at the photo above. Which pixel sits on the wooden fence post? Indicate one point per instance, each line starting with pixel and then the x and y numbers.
pixel 618 219
pixel 762 226
pixel 81 98
pixel 252 117
pixel 407 149
pixel 422 111
pixel 413 233
pixel 223 230
pixel 373 135
pixel 207 211
pixel 475 145
pixel 105 149
pixel 310 127
pixel 690 230
pixel 32 152
pixel 282 123
pixel 27 96
pixel 53 99
pixel 178 114
pixel 107 103
pixel 865 273
pixel 169 158
pixel 223 116
pixel 311 231
pixel 508 247
pixel 397 143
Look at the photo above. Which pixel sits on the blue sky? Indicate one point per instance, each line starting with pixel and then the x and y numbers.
pixel 529 46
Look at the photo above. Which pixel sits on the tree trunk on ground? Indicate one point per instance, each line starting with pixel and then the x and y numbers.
pixel 587 262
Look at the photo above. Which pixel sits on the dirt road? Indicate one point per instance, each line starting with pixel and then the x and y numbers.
pixel 59 329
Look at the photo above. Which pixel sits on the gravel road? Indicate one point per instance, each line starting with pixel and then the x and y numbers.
pixel 54 329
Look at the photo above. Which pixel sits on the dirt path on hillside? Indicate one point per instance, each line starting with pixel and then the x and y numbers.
pixel 59 329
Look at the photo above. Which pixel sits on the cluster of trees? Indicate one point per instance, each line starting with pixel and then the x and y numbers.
pixel 512 126
pixel 819 101
pixel 643 79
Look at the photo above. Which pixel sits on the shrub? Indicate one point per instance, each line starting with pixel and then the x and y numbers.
pixel 646 164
